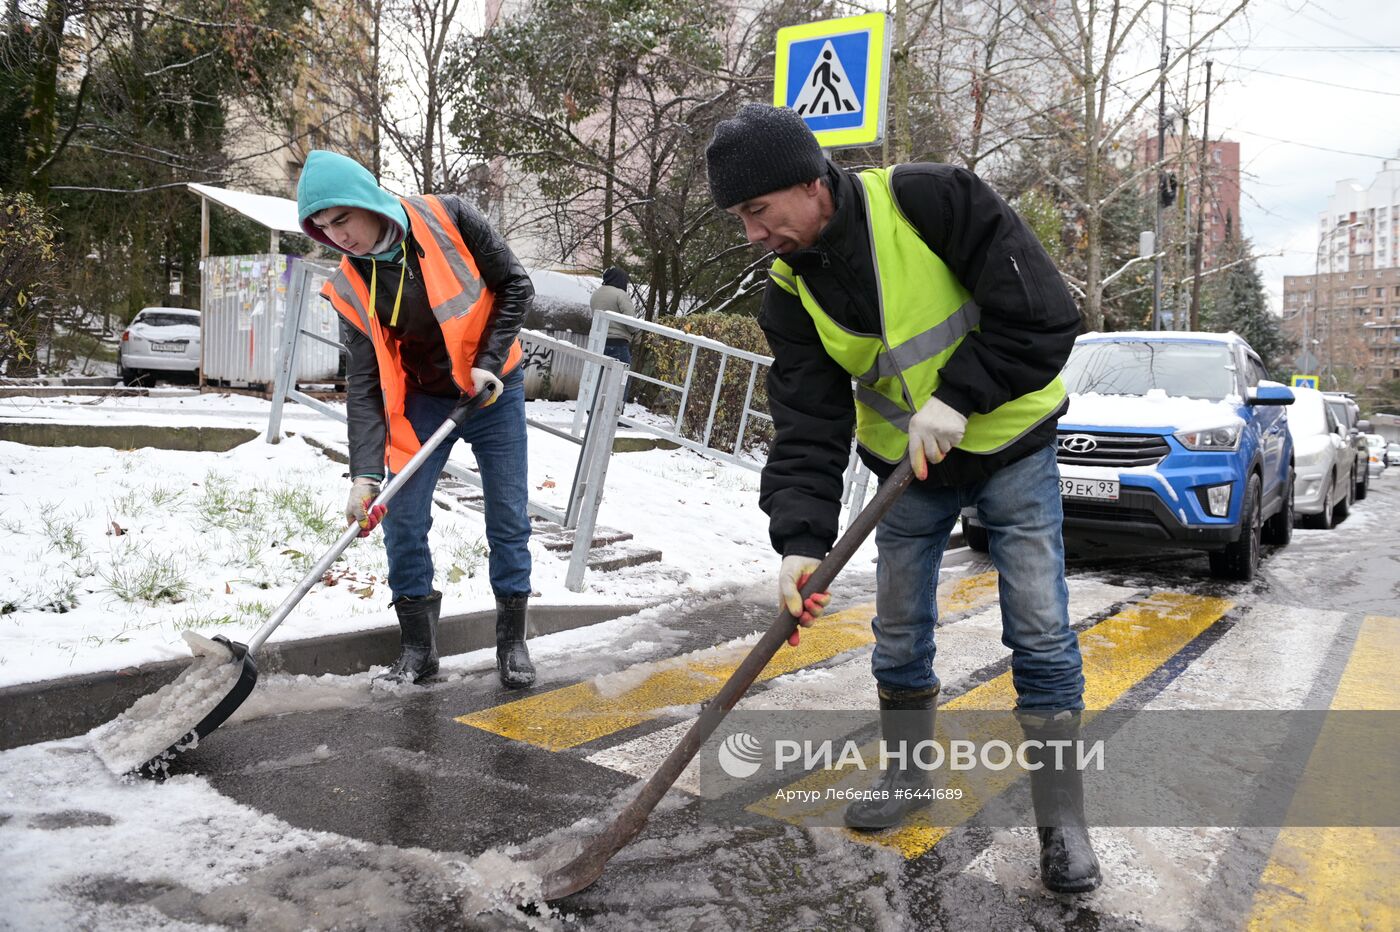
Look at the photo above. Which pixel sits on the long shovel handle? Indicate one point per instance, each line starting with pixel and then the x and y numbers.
pixel 588 865
pixel 460 412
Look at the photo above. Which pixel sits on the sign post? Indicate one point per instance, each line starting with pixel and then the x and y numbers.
pixel 834 73
pixel 1304 381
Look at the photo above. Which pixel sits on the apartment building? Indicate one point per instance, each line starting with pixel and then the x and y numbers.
pixel 321 105
pixel 1360 229
pixel 1347 326
pixel 1346 316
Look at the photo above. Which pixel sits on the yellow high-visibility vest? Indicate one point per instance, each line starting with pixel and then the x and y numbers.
pixel 925 313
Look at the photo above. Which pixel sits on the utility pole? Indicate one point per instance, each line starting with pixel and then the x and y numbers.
pixel 1201 209
pixel 1161 175
pixel 1181 310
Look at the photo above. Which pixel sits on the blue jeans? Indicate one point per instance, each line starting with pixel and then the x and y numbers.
pixel 1020 507
pixel 621 350
pixel 497 437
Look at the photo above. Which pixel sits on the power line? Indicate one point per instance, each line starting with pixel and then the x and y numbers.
pixel 1294 142
pixel 1388 49
pixel 1344 87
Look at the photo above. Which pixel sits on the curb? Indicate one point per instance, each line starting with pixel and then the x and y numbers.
pixel 72 705
pixel 126 436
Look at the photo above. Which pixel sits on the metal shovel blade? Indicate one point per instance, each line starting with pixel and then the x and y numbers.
pixel 140 741
pixel 587 866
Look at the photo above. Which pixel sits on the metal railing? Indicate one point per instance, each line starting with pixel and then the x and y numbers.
pixel 856 479
pixel 603 377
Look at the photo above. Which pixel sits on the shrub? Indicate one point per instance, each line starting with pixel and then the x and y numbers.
pixel 666 360
pixel 28 264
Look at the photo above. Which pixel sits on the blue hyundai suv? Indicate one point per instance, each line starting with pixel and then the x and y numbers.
pixel 1174 440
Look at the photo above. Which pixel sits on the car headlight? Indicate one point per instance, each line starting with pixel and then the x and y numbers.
pixel 1214 438
pixel 1309 457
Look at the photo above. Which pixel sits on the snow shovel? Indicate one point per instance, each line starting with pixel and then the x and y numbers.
pixel 587 866
pixel 146 737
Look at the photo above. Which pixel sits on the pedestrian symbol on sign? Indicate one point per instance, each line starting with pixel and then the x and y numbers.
pixel 832 74
pixel 827 88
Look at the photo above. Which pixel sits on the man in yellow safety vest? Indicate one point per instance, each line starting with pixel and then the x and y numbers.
pixel 923 286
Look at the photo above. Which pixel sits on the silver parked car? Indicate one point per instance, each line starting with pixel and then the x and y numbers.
pixel 160 339
pixel 1348 414
pixel 1392 454
pixel 1322 453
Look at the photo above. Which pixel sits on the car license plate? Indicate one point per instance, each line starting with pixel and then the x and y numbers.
pixel 169 347
pixel 1104 489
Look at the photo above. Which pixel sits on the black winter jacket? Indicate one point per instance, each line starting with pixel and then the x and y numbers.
pixel 1029 322
pixel 422 350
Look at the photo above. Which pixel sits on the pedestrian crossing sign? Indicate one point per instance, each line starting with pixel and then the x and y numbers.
pixel 1305 381
pixel 833 73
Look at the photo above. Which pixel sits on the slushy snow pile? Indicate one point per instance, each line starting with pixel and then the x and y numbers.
pixel 157 721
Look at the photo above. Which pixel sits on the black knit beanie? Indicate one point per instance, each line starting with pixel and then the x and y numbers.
pixel 761 150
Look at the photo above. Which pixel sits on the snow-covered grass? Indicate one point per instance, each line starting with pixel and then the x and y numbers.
pixel 107 555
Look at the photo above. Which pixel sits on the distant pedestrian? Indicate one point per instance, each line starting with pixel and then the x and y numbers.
pixel 612 296
pixel 440 323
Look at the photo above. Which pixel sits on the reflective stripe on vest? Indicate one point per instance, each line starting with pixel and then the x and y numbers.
pixel 925 313
pixel 460 302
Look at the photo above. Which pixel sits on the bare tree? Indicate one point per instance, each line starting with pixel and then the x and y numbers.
pixel 416 89
pixel 1094 43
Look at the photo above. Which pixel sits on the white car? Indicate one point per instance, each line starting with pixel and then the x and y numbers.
pixel 1392 454
pixel 1322 454
pixel 1376 458
pixel 160 339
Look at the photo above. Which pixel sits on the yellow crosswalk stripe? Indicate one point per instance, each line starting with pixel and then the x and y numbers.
pixel 575 715
pixel 1339 877
pixel 1118 653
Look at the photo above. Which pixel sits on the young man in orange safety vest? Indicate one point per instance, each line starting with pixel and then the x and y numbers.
pixel 431 299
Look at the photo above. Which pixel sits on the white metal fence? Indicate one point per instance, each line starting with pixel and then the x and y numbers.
pixel 857 477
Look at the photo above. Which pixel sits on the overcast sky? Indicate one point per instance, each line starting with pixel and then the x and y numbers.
pixel 1288 127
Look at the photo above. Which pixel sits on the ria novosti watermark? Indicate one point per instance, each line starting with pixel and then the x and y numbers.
pixel 741 756
pixel 1154 768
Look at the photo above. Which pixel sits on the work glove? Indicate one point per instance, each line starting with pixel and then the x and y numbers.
pixel 933 431
pixel 358 511
pixel 791 577
pixel 484 380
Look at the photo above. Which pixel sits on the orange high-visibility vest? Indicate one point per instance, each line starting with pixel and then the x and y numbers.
pixel 460 301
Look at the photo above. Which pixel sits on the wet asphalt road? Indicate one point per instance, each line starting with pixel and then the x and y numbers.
pixel 404 772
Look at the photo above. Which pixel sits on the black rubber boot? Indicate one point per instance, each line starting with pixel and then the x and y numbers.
pixel 906 717
pixel 418 628
pixel 1067 860
pixel 512 656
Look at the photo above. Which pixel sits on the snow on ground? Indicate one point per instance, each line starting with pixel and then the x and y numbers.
pixel 107 555
pixel 85 849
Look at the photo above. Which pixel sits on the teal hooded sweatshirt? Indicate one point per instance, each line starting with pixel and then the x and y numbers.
pixel 329 179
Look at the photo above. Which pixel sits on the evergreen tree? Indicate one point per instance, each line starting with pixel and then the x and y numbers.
pixel 1236 301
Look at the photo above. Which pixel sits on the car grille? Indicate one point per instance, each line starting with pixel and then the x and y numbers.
pixel 1110 449
pixel 1123 510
